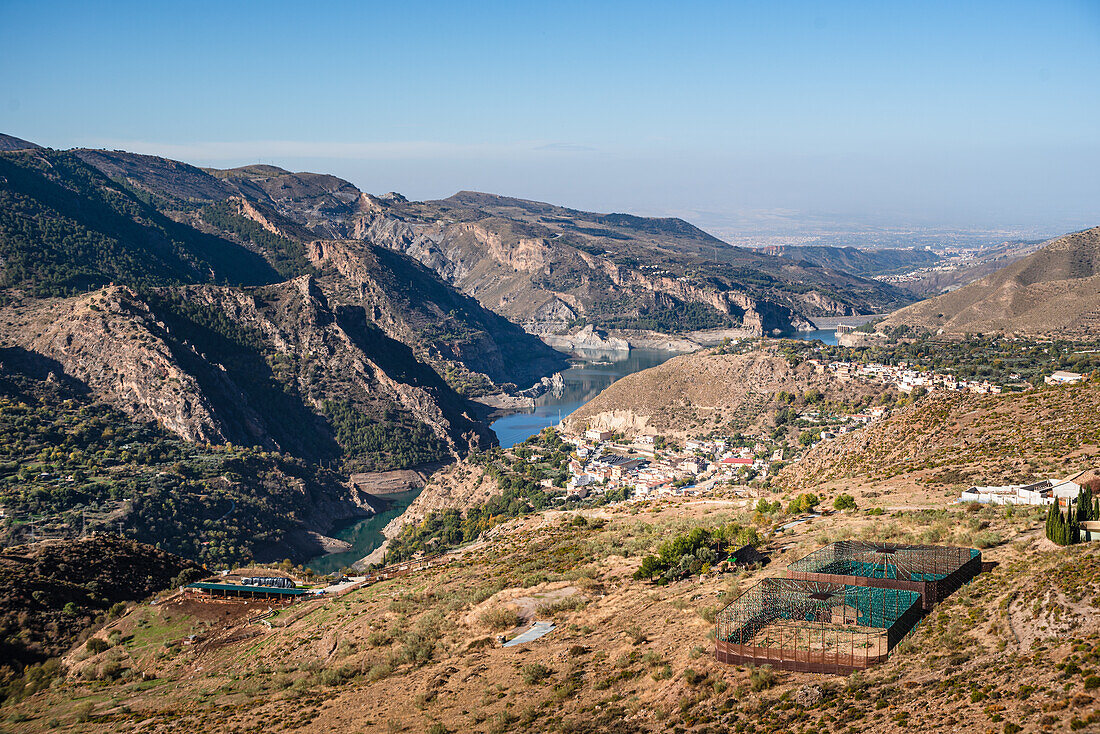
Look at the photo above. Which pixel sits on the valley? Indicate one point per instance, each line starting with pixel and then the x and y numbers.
pixel 617 368
pixel 498 460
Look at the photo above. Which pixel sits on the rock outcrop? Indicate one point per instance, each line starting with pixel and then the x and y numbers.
pixel 154 357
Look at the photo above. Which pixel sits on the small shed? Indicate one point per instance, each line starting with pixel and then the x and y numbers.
pixel 747 555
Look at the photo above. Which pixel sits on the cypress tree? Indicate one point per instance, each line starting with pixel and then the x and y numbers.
pixel 1084 505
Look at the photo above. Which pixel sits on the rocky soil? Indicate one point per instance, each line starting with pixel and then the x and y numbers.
pixel 1017 645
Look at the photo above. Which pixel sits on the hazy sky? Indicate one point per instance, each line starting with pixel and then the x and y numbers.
pixel 954 114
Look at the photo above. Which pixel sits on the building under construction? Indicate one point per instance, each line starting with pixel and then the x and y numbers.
pixel 842 608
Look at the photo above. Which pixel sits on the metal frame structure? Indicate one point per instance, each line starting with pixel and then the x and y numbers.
pixel 248 592
pixel 812 626
pixel 934 571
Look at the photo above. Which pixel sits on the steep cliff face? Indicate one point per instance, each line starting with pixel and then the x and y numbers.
pixel 548 267
pixel 274 366
pixel 473 348
pixel 111 341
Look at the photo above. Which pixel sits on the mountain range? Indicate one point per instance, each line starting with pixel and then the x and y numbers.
pixel 291 323
pixel 543 266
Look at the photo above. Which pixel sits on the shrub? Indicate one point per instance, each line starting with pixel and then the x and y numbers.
pixel 84 711
pixel 844 502
pixel 710 614
pixel 535 673
pixel 499 619
pixel 1093 681
pixel 110 670
pixel 761 678
pixel 637 635
pixel 185 577
pixel 693 678
pixel 96 645
pixel 565 604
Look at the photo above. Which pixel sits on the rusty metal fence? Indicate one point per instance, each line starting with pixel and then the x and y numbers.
pixel 933 571
pixel 814 626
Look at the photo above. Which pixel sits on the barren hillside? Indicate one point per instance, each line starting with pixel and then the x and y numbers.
pixel 1055 292
pixel 699 393
pixel 960 438
pixel 417 653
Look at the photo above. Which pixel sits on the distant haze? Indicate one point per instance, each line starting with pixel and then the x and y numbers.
pixel 756 121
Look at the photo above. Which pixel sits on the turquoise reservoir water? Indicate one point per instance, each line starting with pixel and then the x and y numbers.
pixel 589 375
pixel 364 535
pixel 826 335
pixel 586 379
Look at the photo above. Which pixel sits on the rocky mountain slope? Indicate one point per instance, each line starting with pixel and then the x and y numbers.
pixel 68 227
pixel 10 142
pixel 552 268
pixel 951 439
pixel 276 367
pixel 1055 291
pixel 866 263
pixel 705 392
pixel 547 267
pixel 224 323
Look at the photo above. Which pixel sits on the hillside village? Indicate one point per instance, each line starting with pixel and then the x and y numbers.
pixel 907 378
pixel 649 466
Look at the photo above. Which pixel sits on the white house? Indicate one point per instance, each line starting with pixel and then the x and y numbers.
pixel 1061 377
pixel 1045 492
pixel 1066 490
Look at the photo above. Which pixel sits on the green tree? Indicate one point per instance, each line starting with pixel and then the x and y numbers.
pixel 844 502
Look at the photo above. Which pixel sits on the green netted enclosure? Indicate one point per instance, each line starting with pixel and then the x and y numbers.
pixel 931 570
pixel 815 626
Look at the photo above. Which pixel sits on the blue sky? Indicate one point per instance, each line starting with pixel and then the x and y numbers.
pixel 734 114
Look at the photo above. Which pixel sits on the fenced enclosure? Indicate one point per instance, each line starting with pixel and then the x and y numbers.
pixel 933 571
pixel 815 626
